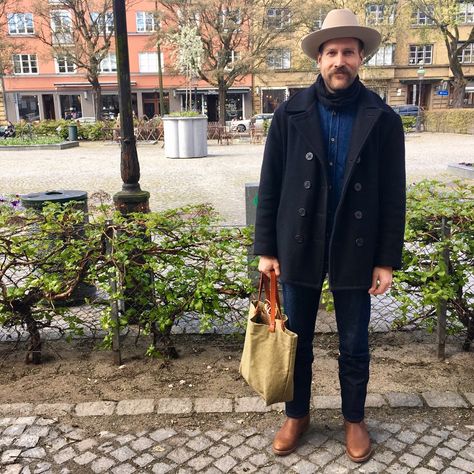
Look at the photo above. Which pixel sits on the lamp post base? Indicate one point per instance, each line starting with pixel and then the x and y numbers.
pixel 132 201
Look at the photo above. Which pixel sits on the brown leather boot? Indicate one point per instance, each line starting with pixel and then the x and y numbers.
pixel 286 440
pixel 358 447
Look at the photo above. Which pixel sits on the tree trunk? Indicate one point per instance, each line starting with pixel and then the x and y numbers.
pixel 97 94
pixel 459 91
pixel 34 351
pixel 222 97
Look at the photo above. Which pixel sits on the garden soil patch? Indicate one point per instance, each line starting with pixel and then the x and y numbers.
pixel 208 366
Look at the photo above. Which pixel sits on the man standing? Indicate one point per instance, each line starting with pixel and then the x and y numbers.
pixel 332 201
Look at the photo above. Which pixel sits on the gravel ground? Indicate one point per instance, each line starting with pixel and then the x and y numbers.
pixel 218 178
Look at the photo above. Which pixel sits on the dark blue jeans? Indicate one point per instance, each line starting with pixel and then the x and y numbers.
pixel 352 316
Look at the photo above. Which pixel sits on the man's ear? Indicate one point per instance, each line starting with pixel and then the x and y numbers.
pixel 318 58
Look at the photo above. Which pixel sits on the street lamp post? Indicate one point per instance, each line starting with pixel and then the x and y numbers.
pixel 131 198
pixel 421 74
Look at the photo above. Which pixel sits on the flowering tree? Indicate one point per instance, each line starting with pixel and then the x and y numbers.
pixel 188 54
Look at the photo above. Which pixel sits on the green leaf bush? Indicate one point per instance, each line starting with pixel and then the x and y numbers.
pixel 449 121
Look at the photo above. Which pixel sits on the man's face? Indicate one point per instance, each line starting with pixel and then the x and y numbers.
pixel 339 63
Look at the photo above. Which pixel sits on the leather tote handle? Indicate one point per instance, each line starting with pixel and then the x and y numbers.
pixel 271 292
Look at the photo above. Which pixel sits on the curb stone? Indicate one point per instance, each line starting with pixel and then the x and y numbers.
pixel 178 406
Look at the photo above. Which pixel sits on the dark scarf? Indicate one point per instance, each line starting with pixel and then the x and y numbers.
pixel 341 98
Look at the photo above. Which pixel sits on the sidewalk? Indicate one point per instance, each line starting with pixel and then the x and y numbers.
pixel 428 434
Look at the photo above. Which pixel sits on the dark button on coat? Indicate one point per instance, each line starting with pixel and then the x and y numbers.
pixel 376 162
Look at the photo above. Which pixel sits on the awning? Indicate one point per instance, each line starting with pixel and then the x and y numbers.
pixel 470 87
pixel 242 90
pixel 425 80
pixel 86 85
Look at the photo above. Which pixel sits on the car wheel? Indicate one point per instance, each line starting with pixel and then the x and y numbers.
pixel 241 128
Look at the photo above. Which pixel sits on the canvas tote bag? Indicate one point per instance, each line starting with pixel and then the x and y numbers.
pixel 268 358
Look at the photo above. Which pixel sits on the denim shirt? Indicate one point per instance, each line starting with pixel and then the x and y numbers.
pixel 336 127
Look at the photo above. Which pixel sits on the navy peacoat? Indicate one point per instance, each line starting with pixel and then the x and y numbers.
pixel 293 195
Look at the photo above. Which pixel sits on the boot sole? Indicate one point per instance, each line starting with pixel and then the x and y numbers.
pixel 280 452
pixel 364 458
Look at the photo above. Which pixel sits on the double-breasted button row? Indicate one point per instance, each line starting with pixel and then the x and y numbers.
pixel 302 211
pixel 358 214
pixel 357 186
pixel 309 156
pixel 359 241
pixel 299 238
pixel 307 184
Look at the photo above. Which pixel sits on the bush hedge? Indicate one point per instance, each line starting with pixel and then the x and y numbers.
pixel 449 121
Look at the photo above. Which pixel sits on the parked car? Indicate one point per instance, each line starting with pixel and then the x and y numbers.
pixel 407 110
pixel 7 130
pixel 245 124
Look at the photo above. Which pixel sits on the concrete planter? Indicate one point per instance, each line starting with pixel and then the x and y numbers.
pixel 185 137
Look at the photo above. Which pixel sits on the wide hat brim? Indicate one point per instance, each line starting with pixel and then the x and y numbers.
pixel 370 37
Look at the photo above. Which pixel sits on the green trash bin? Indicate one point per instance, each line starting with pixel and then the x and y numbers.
pixel 72 135
pixel 37 201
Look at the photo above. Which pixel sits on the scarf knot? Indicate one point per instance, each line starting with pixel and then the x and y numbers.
pixel 340 98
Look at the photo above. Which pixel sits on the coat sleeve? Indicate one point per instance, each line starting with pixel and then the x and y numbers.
pixel 269 190
pixel 392 196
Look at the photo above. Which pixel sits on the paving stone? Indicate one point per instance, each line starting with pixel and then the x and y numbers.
pixel 123 454
pixel 398 469
pixel 35 453
pixel 334 447
pixel 372 466
pixel 375 400
pixel 444 434
pixel 246 468
pixel 215 435
pixel 6 440
pixel 385 457
pixel 436 462
pixel 143 460
pixel 460 463
pixel 455 443
pixel 77 435
pixel 199 443
pixel 162 468
pixel 470 397
pixel 85 444
pixel 225 464
pixel 58 443
pixel 444 400
pixel 9 456
pixel 42 467
pixel 278 407
pixel 102 465
pixel 258 459
pixel 14 430
pixel 53 409
pixel 213 405
pixel 392 427
pixel 124 469
pixel 323 402
pixel 181 455
pixel 407 437
pixel 13 469
pixel 423 470
pixel 453 470
pixel 304 467
pixel 446 453
pixel 85 458
pixel 25 420
pixel 419 427
pixel 420 449
pixel 135 407
pixel 64 455
pixel 218 450
pixel 40 431
pixel 410 459
pixel 26 470
pixel 6 421
pixel 462 434
pixel 141 444
pixel 468 453
pixel 162 434
pixel 192 432
pixel 304 449
pixel 178 440
pixel 16 409
pixel 234 440
pixel 200 462
pixel 395 445
pixel 242 452
pixel 335 469
pixel 431 440
pixel 257 442
pixel 95 408
pixel 27 441
pixel 174 406
pixel 380 436
pixel 399 399
pixel 250 405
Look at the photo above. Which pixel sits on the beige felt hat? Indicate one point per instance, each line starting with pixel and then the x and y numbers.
pixel 340 23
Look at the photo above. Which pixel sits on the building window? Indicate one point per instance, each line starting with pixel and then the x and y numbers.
pixel 109 63
pixel 25 64
pixel 28 108
pixel 466 12
pixel 423 17
pixel 230 20
pixel 467 54
pixel 279 59
pixel 148 62
pixel 272 98
pixel 64 65
pixel 103 21
pixel 278 18
pixel 71 107
pixel 376 14
pixel 20 23
pixel 420 54
pixel 319 18
pixel 61 26
pixel 383 56
pixel 147 22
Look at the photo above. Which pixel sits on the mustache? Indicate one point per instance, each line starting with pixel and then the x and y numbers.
pixel 340 70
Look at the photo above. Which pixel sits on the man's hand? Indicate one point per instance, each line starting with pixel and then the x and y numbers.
pixel 267 264
pixel 381 280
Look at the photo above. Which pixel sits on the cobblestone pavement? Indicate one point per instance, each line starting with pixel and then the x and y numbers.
pixel 144 437
pixel 218 178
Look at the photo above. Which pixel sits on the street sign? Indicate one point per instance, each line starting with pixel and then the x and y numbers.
pixel 443 92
